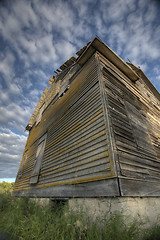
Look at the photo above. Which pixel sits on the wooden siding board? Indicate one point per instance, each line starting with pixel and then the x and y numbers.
pixel 137 155
pixel 72 142
pixel 72 149
pixel 109 130
pixel 77 86
pixel 76 124
pixel 78 111
pixel 99 169
pixel 63 166
pixel 76 147
pixel 84 150
pixel 67 180
pixel 104 188
pixel 141 188
pixel 87 156
pixel 142 161
pixel 103 119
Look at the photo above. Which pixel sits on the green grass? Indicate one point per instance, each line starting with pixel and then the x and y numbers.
pixel 21 218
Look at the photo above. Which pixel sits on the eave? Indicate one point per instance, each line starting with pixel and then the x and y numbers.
pixel 98 45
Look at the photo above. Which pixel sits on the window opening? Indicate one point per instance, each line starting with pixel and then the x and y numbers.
pixel 38 161
pixel 39 116
pixel 22 164
pixel 64 92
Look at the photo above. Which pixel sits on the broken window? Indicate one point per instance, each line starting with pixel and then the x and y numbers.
pixel 38 161
pixel 39 116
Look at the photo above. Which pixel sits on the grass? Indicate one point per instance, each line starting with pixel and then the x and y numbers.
pixel 21 218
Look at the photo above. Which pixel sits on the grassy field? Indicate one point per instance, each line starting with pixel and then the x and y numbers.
pixel 21 218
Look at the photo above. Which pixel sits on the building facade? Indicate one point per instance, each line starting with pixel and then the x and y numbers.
pixel 95 132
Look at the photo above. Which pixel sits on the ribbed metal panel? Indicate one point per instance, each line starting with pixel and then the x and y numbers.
pixel 76 148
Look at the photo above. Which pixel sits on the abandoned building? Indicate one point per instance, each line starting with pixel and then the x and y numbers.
pixel 95 131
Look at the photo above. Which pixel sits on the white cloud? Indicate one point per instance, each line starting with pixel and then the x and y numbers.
pixel 130 32
pixel 58 14
pixel 12 92
pixel 122 22
pixel 4 98
pixel 24 31
pixel 155 76
pixel 25 14
pixel 15 116
pixel 7 60
pixel 65 49
pixel 14 89
pixel 36 49
pixel 11 149
pixel 40 35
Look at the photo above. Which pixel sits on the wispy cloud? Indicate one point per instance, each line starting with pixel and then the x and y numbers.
pixel 36 37
pixel 7 60
pixel 15 116
pixel 11 149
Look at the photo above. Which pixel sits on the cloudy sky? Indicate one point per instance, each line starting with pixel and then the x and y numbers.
pixel 36 37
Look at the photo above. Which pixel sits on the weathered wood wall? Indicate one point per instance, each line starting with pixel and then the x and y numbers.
pixel 134 117
pixel 77 159
pixel 103 136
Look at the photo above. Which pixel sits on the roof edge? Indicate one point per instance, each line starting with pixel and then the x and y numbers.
pixel 131 71
pixel 98 45
pixel 146 80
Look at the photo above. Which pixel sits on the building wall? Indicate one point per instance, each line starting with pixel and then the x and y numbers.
pixel 102 138
pixel 135 126
pixel 145 209
pixel 77 160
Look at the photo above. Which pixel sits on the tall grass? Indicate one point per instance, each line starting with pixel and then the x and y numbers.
pixel 21 218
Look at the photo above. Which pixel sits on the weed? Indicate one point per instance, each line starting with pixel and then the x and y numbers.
pixel 21 218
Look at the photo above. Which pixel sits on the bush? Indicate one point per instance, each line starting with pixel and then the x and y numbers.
pixel 6 187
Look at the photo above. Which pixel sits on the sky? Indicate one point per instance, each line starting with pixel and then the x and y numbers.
pixel 36 37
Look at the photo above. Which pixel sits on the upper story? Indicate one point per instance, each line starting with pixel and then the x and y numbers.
pixel 132 76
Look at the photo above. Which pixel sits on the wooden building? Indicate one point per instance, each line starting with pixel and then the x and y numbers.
pixel 95 132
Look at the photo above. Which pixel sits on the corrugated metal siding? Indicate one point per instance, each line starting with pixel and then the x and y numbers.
pixel 76 148
pixel 134 141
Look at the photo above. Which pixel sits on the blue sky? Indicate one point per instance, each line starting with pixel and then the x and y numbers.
pixel 36 37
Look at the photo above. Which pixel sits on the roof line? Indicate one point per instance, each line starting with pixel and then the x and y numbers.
pixel 100 46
